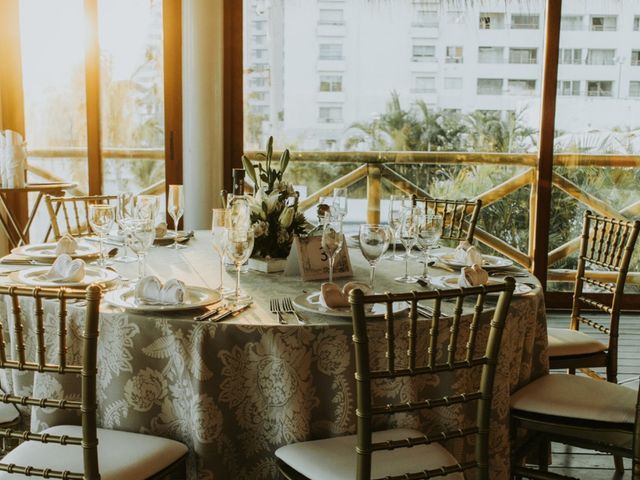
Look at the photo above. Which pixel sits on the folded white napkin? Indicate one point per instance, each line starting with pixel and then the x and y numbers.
pixel 151 290
pixel 65 269
pixel 473 276
pixel 468 254
pixel 331 296
pixel 67 244
pixel 13 158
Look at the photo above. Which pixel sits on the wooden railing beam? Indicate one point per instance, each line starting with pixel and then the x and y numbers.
pixel 344 181
pixel 374 187
pixel 587 199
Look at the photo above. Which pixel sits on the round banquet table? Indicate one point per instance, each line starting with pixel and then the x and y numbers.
pixel 236 390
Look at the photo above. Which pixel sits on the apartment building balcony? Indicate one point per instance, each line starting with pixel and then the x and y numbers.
pixel 331 29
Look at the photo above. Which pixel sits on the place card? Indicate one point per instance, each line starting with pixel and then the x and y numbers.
pixel 309 260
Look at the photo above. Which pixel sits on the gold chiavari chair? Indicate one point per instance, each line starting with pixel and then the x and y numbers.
pixel 578 411
pixel 459 217
pixel 67 451
pixel 470 352
pixel 606 245
pixel 75 213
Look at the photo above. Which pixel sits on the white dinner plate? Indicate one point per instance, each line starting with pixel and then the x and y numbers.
pixel 310 302
pixel 488 261
pixel 46 252
pixel 451 281
pixel 34 277
pixel 196 297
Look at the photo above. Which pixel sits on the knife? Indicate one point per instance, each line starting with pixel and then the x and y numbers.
pixel 230 313
pixel 208 314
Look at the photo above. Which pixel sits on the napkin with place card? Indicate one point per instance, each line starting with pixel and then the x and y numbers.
pixel 473 276
pixel 65 269
pixel 150 290
pixel 332 296
pixel 468 254
pixel 67 244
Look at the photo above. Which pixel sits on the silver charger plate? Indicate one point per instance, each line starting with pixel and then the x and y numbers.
pixel 46 252
pixel 451 281
pixel 310 302
pixel 488 261
pixel 33 277
pixel 196 297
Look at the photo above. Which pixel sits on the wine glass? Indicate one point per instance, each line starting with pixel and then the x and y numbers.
pixel 429 231
pixel 238 248
pixel 332 240
pixel 125 212
pixel 146 207
pixel 219 236
pixel 324 209
pixel 101 218
pixel 396 208
pixel 408 236
pixel 238 216
pixel 374 241
pixel 141 234
pixel 339 203
pixel 175 208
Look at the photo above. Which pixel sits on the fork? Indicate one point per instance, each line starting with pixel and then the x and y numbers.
pixel 287 307
pixel 274 306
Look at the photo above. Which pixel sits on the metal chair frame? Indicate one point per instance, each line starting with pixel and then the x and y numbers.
pixel 608 244
pixel 455 225
pixel 455 356
pixel 75 211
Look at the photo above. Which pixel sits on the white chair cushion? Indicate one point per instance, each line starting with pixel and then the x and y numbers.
pixel 564 342
pixel 574 396
pixel 120 454
pixel 8 413
pixel 335 458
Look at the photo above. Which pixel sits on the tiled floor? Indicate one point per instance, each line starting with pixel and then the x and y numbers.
pixel 586 464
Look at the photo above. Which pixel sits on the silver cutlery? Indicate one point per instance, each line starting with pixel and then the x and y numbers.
pixel 287 306
pixel 502 273
pixel 208 314
pixel 274 307
pixel 233 312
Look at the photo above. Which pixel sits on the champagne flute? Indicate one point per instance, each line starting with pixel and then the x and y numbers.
pixel 141 234
pixel 396 207
pixel 429 231
pixel 374 241
pixel 175 208
pixel 408 237
pixel 101 218
pixel 332 240
pixel 219 236
pixel 238 248
pixel 125 212
pixel 339 203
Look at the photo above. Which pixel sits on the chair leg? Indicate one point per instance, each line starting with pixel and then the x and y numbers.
pixel 571 371
pixel 617 461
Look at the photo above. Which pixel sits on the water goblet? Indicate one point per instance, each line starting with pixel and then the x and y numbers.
pixel 332 240
pixel 125 212
pixel 374 241
pixel 408 236
pixel 101 218
pixel 146 207
pixel 238 249
pixel 429 231
pixel 140 235
pixel 175 208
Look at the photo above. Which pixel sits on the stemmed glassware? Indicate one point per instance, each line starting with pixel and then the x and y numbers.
pixel 238 248
pixel 374 241
pixel 219 237
pixel 124 213
pixel 146 207
pixel 101 218
pixel 396 209
pixel 332 240
pixel 408 232
pixel 429 231
pixel 339 203
pixel 141 234
pixel 175 208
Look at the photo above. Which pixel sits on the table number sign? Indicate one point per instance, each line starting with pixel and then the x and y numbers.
pixel 309 260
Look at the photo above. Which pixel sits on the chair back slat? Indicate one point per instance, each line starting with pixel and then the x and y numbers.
pixel 391 345
pixel 476 351
pixel 75 213
pixel 606 244
pixel 87 406
pixel 459 217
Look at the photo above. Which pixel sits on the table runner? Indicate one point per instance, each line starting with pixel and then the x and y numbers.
pixel 236 391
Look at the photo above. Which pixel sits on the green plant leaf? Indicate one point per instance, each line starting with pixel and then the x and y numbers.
pixel 269 152
pixel 284 161
pixel 251 171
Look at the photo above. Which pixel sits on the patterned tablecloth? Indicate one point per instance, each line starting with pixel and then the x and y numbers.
pixel 235 391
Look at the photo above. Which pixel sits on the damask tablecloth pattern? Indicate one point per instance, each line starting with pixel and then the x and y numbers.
pixel 234 392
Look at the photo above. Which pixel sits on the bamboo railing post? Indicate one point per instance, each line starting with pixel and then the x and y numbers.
pixel 374 177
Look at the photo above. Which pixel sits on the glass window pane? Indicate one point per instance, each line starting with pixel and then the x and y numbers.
pixel 132 95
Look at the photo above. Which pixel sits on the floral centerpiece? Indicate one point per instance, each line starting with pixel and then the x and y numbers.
pixel 274 206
